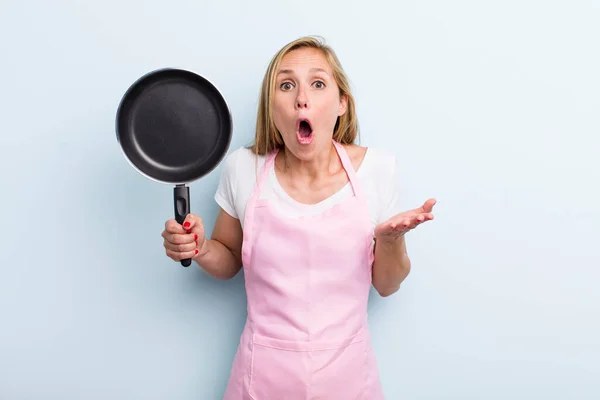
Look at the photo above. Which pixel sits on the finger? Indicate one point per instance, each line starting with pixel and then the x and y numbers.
pixel 396 225
pixel 171 226
pixel 178 256
pixel 424 217
pixel 191 221
pixel 182 238
pixel 183 247
pixel 421 219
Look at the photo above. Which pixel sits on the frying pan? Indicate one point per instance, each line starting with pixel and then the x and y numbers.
pixel 174 127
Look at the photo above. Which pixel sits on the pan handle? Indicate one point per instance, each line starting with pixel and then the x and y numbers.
pixel 181 200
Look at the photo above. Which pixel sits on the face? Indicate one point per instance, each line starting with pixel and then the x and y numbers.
pixel 306 102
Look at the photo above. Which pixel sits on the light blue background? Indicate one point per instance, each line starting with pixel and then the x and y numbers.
pixel 492 108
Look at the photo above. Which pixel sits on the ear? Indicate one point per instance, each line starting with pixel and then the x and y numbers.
pixel 343 105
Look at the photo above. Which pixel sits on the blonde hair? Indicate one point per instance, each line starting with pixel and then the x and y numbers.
pixel 267 137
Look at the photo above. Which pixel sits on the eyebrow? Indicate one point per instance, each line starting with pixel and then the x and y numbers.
pixel 289 71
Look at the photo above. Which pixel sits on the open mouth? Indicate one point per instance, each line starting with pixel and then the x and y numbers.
pixel 304 131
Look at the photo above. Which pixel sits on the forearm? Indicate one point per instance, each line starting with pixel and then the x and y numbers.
pixel 217 260
pixel 391 265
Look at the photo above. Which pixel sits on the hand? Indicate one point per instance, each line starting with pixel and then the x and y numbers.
pixel 186 240
pixel 399 224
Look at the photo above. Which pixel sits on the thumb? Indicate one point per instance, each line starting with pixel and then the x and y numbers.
pixel 191 221
pixel 428 205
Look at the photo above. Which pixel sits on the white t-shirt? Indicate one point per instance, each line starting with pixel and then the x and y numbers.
pixel 377 175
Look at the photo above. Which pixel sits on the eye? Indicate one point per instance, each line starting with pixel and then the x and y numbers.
pixel 319 84
pixel 286 85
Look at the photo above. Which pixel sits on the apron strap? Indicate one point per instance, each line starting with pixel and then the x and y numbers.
pixel 347 164
pixel 262 177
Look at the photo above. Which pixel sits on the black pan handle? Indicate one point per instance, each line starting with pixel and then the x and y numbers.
pixel 181 200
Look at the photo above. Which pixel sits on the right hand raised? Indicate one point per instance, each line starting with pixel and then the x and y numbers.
pixel 186 240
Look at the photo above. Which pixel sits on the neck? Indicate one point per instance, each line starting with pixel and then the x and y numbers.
pixel 315 168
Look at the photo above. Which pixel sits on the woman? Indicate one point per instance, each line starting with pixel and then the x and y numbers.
pixel 312 218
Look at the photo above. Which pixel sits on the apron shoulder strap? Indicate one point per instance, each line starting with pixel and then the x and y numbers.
pixel 347 164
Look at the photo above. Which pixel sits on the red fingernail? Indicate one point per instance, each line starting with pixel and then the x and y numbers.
pixel 196 251
pixel 195 237
pixel 188 231
pixel 186 225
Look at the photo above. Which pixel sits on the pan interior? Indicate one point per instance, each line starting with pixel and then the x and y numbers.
pixel 174 126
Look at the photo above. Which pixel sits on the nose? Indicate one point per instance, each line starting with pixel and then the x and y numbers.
pixel 301 99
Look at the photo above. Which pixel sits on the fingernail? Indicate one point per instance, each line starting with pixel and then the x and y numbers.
pixel 195 237
pixel 188 231
pixel 196 251
pixel 186 225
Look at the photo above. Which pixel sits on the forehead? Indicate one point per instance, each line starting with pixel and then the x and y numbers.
pixel 304 59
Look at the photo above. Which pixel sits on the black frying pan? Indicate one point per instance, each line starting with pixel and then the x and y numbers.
pixel 174 127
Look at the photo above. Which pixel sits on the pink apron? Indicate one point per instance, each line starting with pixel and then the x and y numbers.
pixel 307 281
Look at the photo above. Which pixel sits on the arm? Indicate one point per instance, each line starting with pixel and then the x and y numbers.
pixel 391 265
pixel 221 256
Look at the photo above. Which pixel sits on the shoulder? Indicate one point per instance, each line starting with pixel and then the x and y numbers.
pixel 239 170
pixel 238 173
pixel 240 160
pixel 379 171
pixel 380 175
pixel 241 155
pixel 381 160
pixel 372 161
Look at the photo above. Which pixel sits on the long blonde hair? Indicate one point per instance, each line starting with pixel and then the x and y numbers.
pixel 267 137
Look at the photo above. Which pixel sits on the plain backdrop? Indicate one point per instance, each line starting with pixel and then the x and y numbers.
pixel 491 107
